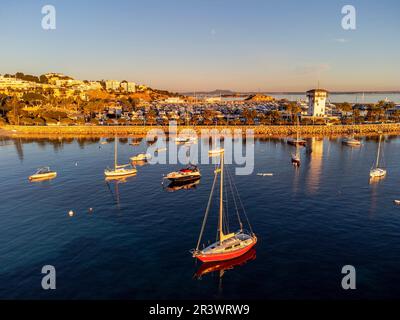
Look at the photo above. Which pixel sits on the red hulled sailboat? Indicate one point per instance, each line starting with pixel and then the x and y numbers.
pixel 229 245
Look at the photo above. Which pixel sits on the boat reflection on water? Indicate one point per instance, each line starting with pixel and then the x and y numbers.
pixel 176 186
pixel 222 266
pixel 116 181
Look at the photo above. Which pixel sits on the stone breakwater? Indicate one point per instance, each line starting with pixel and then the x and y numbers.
pixel 364 129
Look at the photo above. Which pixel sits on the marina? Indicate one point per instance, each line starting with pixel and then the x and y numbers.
pixel 309 222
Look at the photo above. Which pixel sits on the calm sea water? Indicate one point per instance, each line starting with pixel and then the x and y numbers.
pixel 134 245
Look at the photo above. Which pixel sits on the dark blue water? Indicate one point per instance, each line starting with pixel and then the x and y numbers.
pixel 310 222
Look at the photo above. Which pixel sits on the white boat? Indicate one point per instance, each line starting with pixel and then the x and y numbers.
pixel 161 150
pixel 43 174
pixel 215 152
pixel 181 140
pixel 119 170
pixel 141 157
pixel 351 142
pixel 397 202
pixel 186 139
pixel 377 172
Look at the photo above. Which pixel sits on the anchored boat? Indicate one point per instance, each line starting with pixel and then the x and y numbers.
pixel 352 142
pixel 119 170
pixel 141 157
pixel 378 172
pixel 190 173
pixel 229 245
pixel 43 174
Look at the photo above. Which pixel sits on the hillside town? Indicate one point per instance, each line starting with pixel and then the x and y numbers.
pixel 55 99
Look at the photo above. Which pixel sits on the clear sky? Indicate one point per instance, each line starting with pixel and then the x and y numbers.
pixel 187 45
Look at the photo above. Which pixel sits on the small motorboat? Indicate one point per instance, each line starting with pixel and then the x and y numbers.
pixel 397 202
pixel 43 174
pixel 351 142
pixel 141 157
pixel 265 174
pixel 190 173
pixel 182 139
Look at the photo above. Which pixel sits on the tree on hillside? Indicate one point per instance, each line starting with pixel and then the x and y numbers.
pixel 15 110
pixel 344 107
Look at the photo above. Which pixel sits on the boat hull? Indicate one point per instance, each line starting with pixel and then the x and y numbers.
pixel 226 256
pixel 215 266
pixel 47 176
pixel 352 143
pixel 377 173
pixel 119 174
pixel 184 179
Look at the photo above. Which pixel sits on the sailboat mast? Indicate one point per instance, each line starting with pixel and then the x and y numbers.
pixel 115 153
pixel 221 203
pixel 378 154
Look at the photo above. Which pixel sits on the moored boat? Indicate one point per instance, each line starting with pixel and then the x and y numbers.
pixel 119 170
pixel 190 173
pixel 229 245
pixel 43 174
pixel 351 142
pixel 141 157
pixel 378 172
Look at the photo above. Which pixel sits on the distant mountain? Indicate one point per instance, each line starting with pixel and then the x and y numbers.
pixel 259 98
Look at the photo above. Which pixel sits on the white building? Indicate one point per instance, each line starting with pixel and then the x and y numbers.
pixel 128 86
pixel 317 102
pixel 112 84
pixel 174 100
pixel 14 83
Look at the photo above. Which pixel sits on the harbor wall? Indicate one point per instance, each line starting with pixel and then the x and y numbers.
pixel 260 130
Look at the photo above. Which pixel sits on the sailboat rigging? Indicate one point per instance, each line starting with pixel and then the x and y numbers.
pixel 230 245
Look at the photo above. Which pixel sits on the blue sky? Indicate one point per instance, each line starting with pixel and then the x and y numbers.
pixel 187 45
